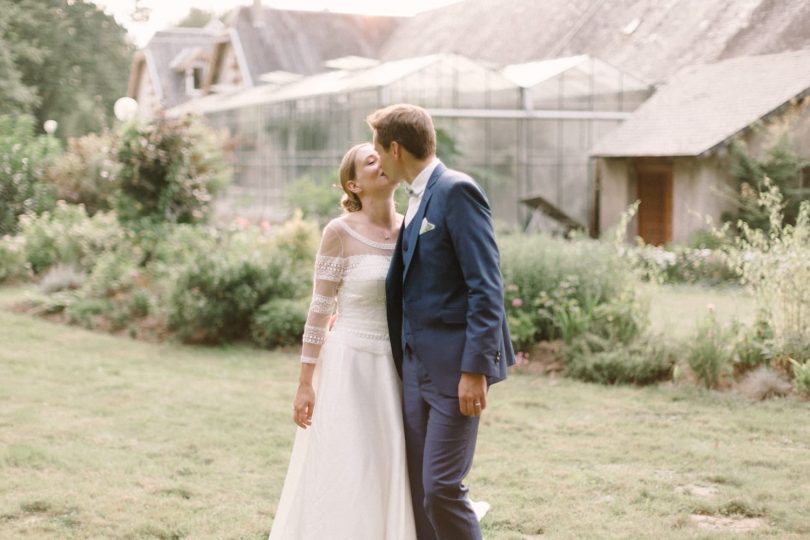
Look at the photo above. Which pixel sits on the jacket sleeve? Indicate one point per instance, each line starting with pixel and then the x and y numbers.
pixel 469 223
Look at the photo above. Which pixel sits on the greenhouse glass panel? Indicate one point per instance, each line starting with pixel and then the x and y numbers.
pixel 297 130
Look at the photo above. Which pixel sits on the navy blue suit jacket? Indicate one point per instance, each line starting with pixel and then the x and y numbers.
pixel 444 286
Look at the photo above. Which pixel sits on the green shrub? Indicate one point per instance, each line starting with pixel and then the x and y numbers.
pixel 67 235
pixel 114 273
pixel 801 376
pixel 595 359
pixel 13 263
pixel 709 352
pixel 87 173
pixel 754 346
pixel 559 288
pixel 705 239
pixel 140 304
pixel 522 329
pixel 87 312
pixel 170 171
pixel 316 200
pixel 298 239
pixel 279 322
pixel 214 299
pixel 24 157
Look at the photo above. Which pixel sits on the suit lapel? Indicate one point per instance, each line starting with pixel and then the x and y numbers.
pixel 411 236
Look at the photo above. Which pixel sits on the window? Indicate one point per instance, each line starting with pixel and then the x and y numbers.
pixel 194 80
pixel 196 74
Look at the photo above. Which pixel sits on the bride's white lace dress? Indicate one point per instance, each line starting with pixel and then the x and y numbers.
pixel 348 478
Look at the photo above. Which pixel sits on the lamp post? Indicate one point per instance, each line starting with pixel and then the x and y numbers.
pixel 125 109
pixel 50 126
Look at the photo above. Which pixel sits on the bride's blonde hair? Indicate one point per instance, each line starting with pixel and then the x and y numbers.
pixel 348 172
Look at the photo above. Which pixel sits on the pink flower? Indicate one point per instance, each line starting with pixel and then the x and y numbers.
pixel 517 302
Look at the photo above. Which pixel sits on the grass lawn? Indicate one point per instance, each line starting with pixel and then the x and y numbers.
pixel 105 437
pixel 675 310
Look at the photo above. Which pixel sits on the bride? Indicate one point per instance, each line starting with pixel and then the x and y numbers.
pixel 348 476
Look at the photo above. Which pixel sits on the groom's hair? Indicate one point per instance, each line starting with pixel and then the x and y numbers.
pixel 409 125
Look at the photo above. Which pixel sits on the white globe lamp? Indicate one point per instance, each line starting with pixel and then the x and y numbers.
pixel 50 126
pixel 125 109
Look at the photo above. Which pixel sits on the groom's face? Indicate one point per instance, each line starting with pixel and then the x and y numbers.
pixel 387 160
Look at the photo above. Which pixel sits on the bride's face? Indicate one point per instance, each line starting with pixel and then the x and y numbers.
pixel 369 176
pixel 387 160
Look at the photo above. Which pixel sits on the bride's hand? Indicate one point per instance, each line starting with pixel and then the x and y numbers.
pixel 303 405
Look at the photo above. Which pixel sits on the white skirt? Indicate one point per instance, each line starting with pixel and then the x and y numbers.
pixel 348 476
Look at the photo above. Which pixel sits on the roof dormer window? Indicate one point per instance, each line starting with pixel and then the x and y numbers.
pixel 194 80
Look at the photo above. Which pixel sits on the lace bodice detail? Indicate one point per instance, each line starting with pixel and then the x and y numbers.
pixel 350 272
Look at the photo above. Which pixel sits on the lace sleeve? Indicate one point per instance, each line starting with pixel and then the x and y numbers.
pixel 329 266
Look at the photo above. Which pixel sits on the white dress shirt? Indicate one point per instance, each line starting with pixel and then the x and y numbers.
pixel 417 189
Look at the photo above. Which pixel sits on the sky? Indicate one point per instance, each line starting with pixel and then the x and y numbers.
pixel 165 13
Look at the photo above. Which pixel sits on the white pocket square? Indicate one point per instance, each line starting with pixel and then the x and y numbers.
pixel 426 226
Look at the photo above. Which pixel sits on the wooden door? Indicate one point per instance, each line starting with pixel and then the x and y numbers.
pixel 654 181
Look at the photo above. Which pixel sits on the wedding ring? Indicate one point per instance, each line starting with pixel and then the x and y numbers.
pixel 477 404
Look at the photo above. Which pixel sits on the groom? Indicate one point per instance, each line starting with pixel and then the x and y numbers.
pixel 445 317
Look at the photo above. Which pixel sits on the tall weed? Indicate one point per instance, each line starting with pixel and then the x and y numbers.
pixel 774 262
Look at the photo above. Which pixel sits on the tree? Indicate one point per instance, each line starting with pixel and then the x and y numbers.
pixel 72 62
pixel 196 18
pixel 15 96
pixel 783 167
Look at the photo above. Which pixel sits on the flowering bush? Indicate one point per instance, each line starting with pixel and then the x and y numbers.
pixel 87 173
pixel 203 282
pixel 24 157
pixel 170 171
pixel 557 288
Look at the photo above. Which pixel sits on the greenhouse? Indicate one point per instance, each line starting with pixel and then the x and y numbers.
pixel 523 131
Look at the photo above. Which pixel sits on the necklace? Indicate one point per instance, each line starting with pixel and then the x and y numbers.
pixel 385 233
pixel 374 230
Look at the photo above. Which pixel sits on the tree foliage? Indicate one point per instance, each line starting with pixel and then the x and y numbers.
pixel 196 18
pixel 64 60
pixel 783 167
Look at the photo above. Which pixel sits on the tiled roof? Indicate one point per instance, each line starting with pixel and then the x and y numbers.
pixel 703 106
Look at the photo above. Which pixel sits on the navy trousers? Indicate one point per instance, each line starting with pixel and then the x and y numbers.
pixel 440 443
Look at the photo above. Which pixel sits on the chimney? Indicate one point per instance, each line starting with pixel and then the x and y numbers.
pixel 258 18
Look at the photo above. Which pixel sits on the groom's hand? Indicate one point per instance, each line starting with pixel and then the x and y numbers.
pixel 472 394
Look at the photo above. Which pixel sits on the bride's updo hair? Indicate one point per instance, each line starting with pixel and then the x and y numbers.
pixel 348 172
